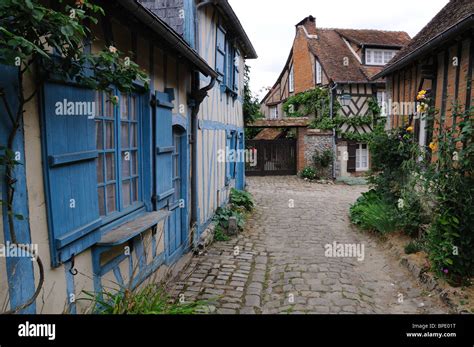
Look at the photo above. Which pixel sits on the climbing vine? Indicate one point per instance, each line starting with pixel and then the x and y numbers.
pixel 316 103
pixel 37 42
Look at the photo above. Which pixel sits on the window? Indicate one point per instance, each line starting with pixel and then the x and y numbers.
pixel 273 112
pixel 382 101
pixel 291 80
pixel 118 186
pixel 378 56
pixel 227 62
pixel 362 157
pixel 220 51
pixel 319 73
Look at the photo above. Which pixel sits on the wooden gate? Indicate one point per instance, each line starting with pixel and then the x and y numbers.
pixel 274 157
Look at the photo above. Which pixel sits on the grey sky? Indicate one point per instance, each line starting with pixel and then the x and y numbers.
pixel 270 24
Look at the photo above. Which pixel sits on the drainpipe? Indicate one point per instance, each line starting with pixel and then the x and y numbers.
pixel 334 148
pixel 198 96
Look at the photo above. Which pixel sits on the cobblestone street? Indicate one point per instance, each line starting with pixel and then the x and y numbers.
pixel 278 264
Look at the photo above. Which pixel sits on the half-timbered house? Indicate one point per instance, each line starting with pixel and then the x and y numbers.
pixel 113 199
pixel 344 60
pixel 440 60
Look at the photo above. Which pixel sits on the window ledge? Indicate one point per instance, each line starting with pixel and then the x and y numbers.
pixel 130 230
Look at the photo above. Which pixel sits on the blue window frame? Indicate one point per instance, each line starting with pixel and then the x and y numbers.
pixel 227 61
pixel 118 163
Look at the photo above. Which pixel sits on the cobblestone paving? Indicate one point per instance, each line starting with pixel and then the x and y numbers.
pixel 278 265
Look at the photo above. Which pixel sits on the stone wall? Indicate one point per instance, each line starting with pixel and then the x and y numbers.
pixel 317 140
pixel 168 11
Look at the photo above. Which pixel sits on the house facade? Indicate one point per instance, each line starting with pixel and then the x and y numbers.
pixel 440 60
pixel 120 198
pixel 343 60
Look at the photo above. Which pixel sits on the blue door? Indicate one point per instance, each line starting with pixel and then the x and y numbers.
pixel 177 235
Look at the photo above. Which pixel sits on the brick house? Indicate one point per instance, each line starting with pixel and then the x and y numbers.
pixel 439 59
pixel 345 61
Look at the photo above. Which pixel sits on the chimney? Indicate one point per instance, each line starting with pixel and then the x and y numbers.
pixel 309 24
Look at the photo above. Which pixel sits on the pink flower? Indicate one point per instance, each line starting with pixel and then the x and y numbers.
pixel 446 271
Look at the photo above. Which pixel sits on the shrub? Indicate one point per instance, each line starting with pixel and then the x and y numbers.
pixel 414 247
pixel 152 299
pixel 324 159
pixel 371 212
pixel 308 173
pixel 220 235
pixel 451 235
pixel 223 214
pixel 240 198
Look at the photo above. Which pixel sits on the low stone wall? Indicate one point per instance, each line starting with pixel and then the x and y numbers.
pixel 320 141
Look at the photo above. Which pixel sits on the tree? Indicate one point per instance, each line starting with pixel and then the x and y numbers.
pixel 251 106
pixel 38 41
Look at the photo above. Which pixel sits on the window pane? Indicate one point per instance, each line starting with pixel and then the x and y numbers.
pixel 101 194
pixel 100 169
pixel 124 106
pixel 133 108
pixel 125 136
pixel 99 97
pixel 364 146
pixel 135 190
pixel 111 198
pixel 133 134
pixel 99 134
pixel 126 158
pixel 110 163
pixel 378 57
pixel 134 159
pixel 109 109
pixel 109 135
pixel 126 193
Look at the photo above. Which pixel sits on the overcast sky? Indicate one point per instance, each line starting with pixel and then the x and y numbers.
pixel 270 24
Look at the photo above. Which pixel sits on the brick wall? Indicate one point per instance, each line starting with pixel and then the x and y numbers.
pixel 303 62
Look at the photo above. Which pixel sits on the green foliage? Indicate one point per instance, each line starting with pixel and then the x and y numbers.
pixel 390 153
pixel 28 30
pixel 414 247
pixel 451 235
pixel 223 214
pixel 324 159
pixel 220 235
pixel 315 102
pixel 151 300
pixel 242 199
pixel 308 173
pixel 373 213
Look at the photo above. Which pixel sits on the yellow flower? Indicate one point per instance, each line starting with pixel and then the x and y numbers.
pixel 433 146
pixel 421 95
pixel 421 108
pixel 410 129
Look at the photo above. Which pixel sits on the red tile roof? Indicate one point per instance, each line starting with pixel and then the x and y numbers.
pixel 333 52
pixel 269 134
pixel 370 37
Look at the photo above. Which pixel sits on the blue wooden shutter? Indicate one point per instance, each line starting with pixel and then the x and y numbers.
pixel 20 272
pixel 164 149
pixel 228 146
pixel 236 70
pixel 70 173
pixel 240 182
pixel 220 51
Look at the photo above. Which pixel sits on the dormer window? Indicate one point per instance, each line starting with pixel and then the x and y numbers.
pixel 378 56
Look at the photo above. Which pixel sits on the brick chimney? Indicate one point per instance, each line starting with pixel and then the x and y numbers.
pixel 309 24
